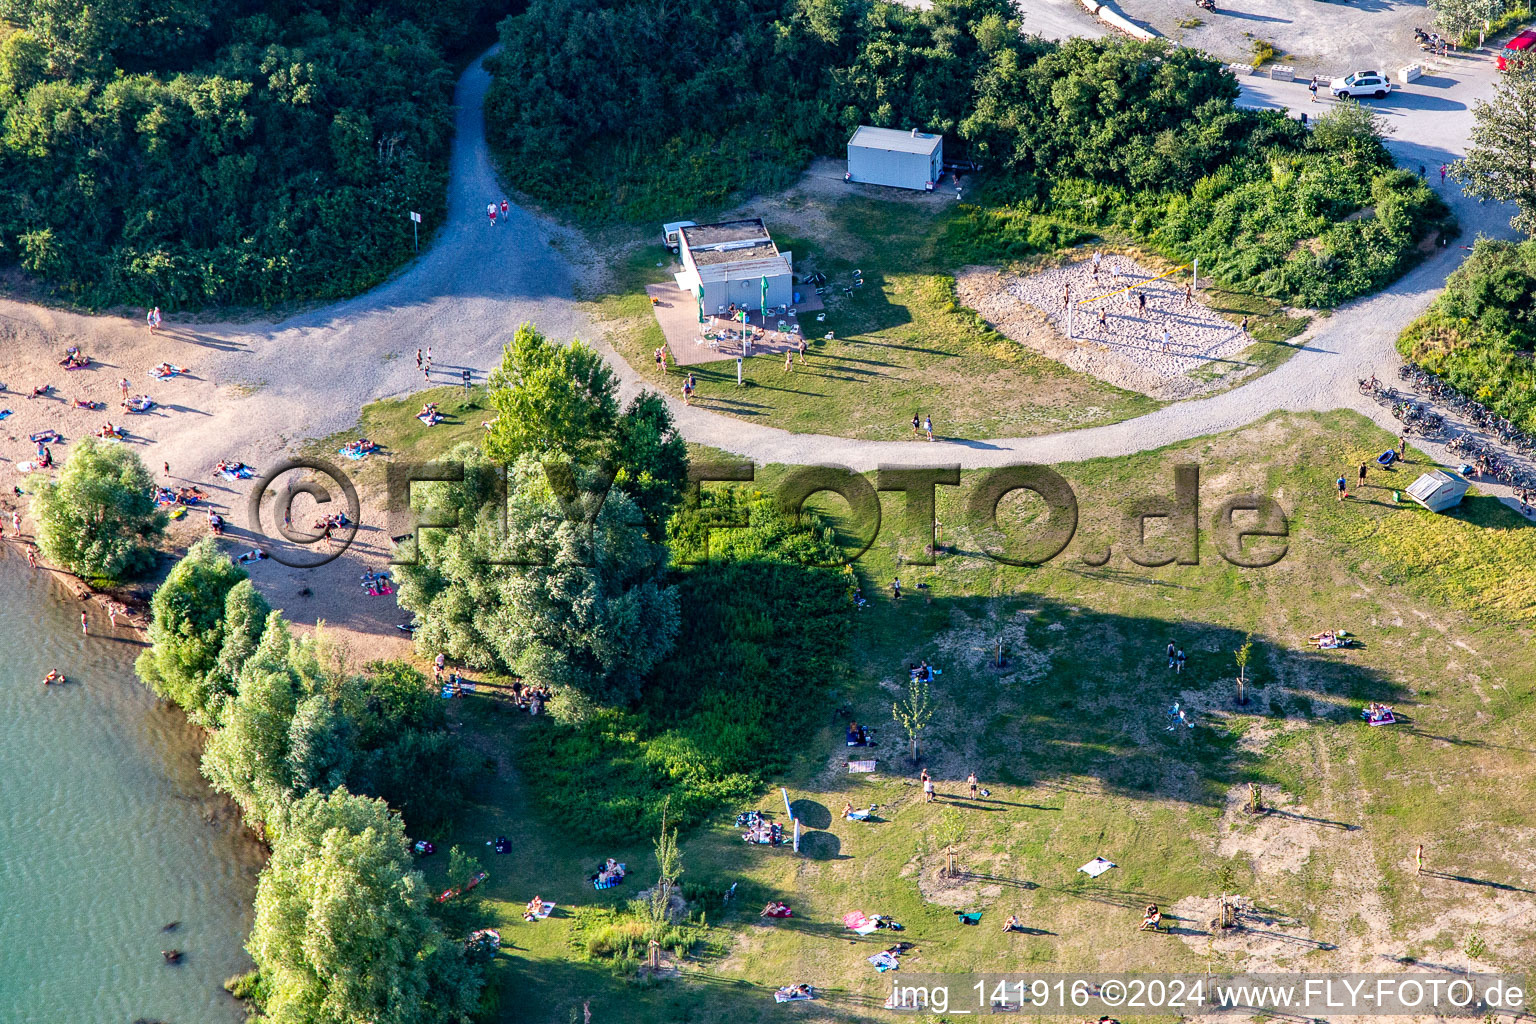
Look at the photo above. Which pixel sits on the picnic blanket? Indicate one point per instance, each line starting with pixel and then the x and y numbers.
pixel 545 909
pixel 856 767
pixel 173 371
pixel 858 922
pixel 863 815
pixel 4 413
pixel 243 473
pixel 885 961
pixel 968 917
pixel 782 996
pixel 1096 867
pixel 355 454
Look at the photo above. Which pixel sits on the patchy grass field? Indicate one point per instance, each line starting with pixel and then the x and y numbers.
pixel 1071 740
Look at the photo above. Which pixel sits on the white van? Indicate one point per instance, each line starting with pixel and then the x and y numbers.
pixel 669 233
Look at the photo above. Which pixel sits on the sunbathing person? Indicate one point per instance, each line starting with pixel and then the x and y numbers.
pixel 41 389
pixel 1013 924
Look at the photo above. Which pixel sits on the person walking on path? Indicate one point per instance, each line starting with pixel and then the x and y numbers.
pixel 970 780
pixel 1402 446
pixel 1171 650
pixel 418 359
pixel 1418 859
pixel 917 426
pixel 504 207
pixel 928 792
pixel 1360 481
pixel 928 426
pixel 1312 87
pixel 1343 486
pixel 85 626
pixel 490 211
pixel 1245 327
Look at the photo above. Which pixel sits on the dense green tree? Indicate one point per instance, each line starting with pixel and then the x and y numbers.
pixel 1501 158
pixel 187 641
pixel 160 152
pixel 581 605
pixel 342 933
pixel 98 519
pixel 553 401
pixel 249 757
pixel 652 459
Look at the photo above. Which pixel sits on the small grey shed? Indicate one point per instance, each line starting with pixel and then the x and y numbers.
pixel 1438 491
pixel 903 159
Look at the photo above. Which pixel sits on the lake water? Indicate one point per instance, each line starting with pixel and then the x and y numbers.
pixel 105 833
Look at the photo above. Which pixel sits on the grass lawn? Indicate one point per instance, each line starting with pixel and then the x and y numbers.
pixel 391 423
pixel 1071 741
pixel 901 343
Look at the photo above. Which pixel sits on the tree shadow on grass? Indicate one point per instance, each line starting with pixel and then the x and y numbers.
pixel 1101 712
pixel 822 846
pixel 812 814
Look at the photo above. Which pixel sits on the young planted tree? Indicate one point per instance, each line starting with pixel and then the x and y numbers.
pixel 1501 160
pixel 1461 18
pixel 669 862
pixel 1242 655
pixel 98 518
pixel 914 711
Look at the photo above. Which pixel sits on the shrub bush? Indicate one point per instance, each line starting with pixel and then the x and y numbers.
pixel 765 635
pixel 1479 334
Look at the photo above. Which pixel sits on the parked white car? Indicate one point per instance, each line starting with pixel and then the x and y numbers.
pixel 1361 83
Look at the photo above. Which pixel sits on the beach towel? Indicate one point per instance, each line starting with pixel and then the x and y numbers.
pixel 786 997
pixel 885 961
pixel 858 922
pixel 174 371
pixel 1096 867
pixel 857 767
pixel 352 453
pixel 4 413
pixel 545 909
pixel 243 473
pixel 863 815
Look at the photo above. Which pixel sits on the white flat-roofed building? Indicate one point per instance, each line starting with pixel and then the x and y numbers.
pixel 732 261
pixel 901 159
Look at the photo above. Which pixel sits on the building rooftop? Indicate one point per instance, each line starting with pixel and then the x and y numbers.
pixel 894 141
pixel 745 270
pixel 735 253
pixel 701 235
